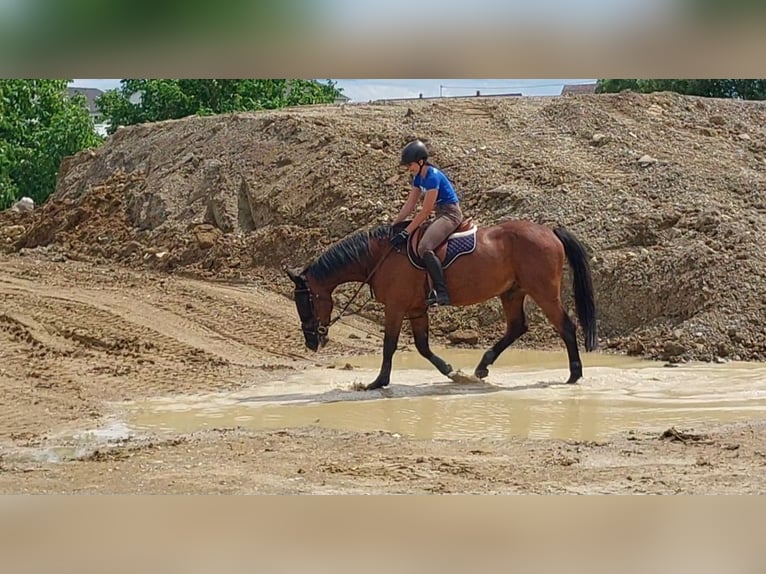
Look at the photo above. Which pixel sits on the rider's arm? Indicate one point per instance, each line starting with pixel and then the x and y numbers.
pixel 408 206
pixel 429 201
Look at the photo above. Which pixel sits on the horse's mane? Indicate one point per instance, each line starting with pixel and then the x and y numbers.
pixel 349 250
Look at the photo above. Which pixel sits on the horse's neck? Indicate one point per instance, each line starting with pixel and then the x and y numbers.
pixel 353 273
pixel 357 271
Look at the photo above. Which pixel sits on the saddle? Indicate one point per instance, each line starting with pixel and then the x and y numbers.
pixel 460 242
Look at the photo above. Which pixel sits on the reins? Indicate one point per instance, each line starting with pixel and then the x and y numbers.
pixel 351 300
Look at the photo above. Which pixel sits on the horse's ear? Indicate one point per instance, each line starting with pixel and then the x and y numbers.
pixel 294 274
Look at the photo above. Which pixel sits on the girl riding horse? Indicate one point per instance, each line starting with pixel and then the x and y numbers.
pixel 438 196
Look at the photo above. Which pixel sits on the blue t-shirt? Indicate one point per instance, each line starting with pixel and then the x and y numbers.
pixel 435 179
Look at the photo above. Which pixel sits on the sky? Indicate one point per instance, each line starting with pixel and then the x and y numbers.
pixel 363 90
pixel 590 13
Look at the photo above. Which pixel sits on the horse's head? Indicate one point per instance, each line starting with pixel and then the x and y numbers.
pixel 314 309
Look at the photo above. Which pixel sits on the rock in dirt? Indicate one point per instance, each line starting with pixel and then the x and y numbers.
pixel 12 232
pixel 673 349
pixel 674 435
pixel 646 160
pixel 464 337
pixel 599 139
pixel 207 235
pixel 24 205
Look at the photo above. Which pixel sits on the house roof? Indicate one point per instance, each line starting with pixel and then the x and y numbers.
pixel 90 97
pixel 578 89
pixel 468 97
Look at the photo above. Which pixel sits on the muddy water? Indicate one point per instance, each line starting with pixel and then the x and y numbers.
pixel 71 445
pixel 523 397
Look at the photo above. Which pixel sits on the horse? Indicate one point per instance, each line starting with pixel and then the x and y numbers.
pixel 510 260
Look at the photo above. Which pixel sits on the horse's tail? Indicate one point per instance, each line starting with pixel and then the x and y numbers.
pixel 582 285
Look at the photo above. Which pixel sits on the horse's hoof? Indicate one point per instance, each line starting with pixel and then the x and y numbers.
pixel 376 385
pixel 481 373
pixel 573 380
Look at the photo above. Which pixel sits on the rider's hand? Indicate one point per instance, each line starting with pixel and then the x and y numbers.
pixel 400 238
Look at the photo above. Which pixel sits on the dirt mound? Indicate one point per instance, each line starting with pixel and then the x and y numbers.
pixel 666 191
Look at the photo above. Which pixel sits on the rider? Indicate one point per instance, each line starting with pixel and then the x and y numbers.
pixel 439 196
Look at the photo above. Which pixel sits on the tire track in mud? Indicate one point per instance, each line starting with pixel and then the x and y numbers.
pixel 95 328
pixel 127 325
pixel 38 378
pixel 86 356
pixel 252 325
pixel 263 319
pixel 25 331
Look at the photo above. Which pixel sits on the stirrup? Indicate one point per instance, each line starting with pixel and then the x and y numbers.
pixel 434 298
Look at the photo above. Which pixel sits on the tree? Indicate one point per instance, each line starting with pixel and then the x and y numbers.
pixel 39 126
pixel 713 88
pixel 614 86
pixel 138 101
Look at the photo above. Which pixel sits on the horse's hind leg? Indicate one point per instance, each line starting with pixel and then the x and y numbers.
pixel 556 314
pixel 420 334
pixel 516 326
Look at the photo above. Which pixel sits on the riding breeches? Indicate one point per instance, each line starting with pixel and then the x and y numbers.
pixel 448 217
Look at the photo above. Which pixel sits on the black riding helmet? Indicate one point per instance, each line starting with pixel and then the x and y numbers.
pixel 414 152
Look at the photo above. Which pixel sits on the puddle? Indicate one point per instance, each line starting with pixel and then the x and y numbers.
pixel 524 397
pixel 467 359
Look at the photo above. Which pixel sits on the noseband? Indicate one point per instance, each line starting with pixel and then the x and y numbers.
pixel 305 301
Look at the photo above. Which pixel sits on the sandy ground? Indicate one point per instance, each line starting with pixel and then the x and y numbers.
pixel 75 339
pixel 317 461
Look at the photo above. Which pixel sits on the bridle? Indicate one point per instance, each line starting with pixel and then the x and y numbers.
pixel 304 299
pixel 306 309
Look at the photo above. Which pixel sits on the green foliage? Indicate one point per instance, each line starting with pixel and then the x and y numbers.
pixel 713 88
pixel 39 126
pixel 157 100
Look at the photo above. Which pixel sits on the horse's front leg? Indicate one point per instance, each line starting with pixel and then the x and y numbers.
pixel 420 334
pixel 393 326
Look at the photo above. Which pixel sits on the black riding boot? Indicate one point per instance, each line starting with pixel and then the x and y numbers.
pixel 434 267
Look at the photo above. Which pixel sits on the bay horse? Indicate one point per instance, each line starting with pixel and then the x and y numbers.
pixel 511 260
